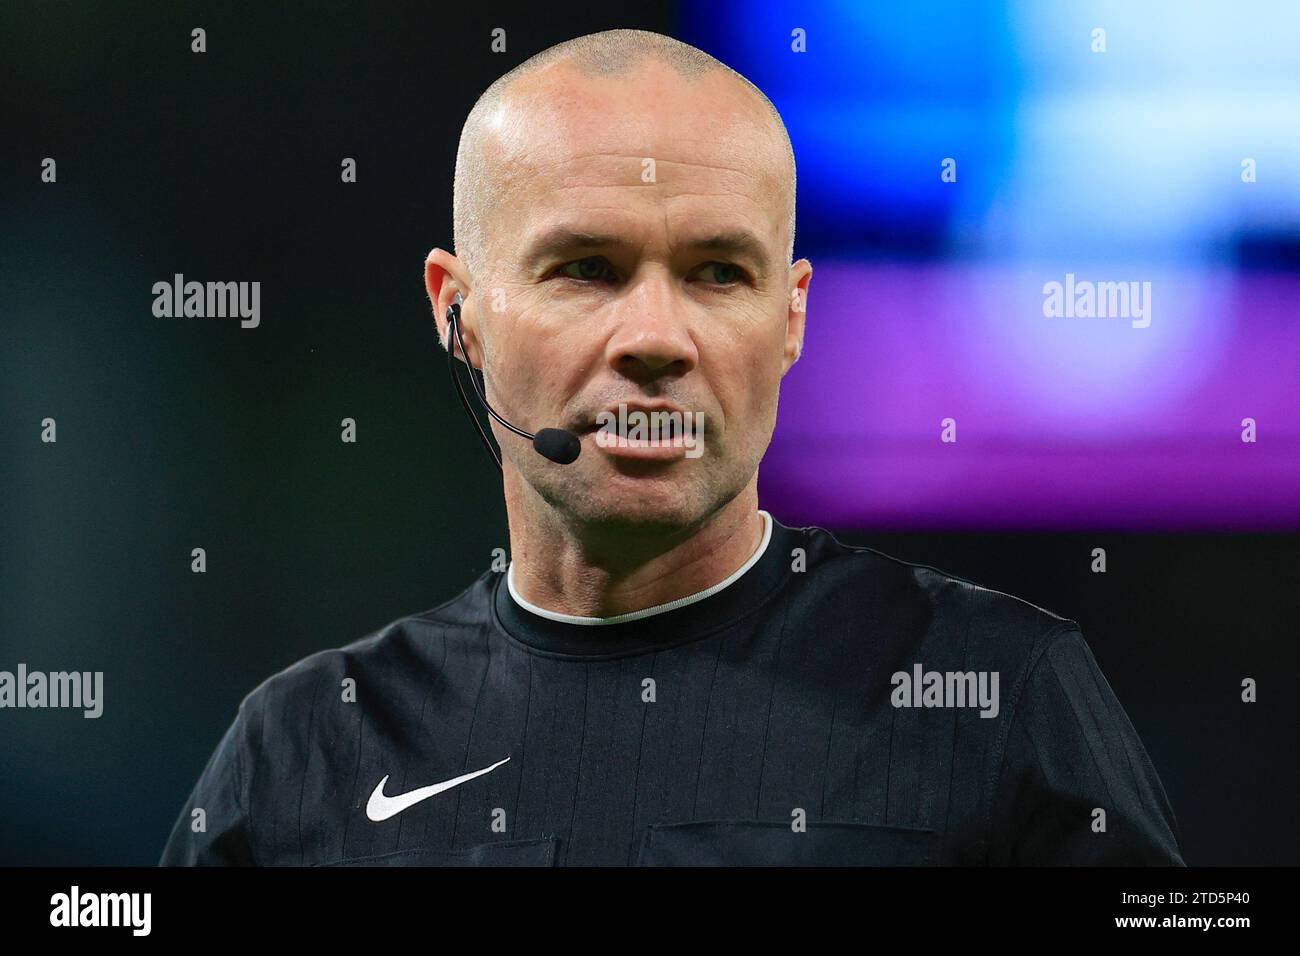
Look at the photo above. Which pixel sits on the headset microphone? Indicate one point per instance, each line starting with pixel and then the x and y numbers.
pixel 555 444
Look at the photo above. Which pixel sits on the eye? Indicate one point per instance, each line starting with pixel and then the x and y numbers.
pixel 586 269
pixel 724 273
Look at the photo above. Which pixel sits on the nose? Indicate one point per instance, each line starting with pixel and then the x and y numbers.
pixel 651 339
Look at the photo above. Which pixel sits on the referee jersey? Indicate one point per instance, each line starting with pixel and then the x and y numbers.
pixel 826 705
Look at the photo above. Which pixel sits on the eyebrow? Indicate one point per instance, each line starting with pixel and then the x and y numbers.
pixel 564 240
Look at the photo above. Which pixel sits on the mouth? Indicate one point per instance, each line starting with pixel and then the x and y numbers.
pixel 646 431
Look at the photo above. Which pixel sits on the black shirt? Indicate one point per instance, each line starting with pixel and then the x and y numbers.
pixel 763 724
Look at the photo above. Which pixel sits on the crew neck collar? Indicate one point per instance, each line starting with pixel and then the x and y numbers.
pixel 664 625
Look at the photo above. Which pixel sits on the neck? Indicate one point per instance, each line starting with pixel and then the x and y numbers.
pixel 600 571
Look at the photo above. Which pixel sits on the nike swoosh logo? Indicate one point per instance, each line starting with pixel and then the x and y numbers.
pixel 380 807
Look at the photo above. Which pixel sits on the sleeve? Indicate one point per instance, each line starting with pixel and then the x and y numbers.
pixel 1071 752
pixel 225 837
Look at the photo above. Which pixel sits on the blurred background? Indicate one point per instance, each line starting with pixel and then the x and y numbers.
pixel 926 304
pixel 927 296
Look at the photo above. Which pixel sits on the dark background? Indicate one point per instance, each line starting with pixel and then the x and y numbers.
pixel 183 433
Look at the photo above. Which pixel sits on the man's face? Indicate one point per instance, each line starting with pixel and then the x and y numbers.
pixel 637 256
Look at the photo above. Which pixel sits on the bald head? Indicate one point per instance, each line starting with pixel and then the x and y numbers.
pixel 519 112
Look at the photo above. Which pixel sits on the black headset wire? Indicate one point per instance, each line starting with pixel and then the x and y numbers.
pixel 453 313
pixel 479 391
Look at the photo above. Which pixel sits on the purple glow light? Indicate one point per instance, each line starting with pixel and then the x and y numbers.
pixel 1062 423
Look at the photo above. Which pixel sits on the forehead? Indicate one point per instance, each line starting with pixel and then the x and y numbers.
pixel 564 142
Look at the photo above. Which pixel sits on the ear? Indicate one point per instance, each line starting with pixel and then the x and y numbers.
pixel 799 280
pixel 446 281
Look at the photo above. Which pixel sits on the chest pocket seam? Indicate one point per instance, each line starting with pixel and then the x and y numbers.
pixel 774 843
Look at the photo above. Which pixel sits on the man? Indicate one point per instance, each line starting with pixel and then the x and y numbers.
pixel 665 674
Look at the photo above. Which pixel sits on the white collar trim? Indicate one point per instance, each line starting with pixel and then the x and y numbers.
pixel 649 611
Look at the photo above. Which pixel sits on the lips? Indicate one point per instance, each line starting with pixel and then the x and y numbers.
pixel 619 414
pixel 659 431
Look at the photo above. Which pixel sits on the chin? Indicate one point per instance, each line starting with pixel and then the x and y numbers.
pixel 618 502
pixel 639 512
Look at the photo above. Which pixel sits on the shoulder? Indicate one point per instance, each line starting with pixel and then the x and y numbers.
pixel 413 644
pixel 944 613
